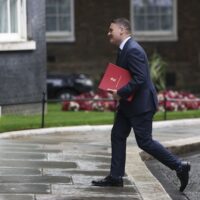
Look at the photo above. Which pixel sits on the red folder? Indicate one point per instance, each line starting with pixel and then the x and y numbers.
pixel 115 78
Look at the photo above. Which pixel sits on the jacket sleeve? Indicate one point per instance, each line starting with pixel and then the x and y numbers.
pixel 137 66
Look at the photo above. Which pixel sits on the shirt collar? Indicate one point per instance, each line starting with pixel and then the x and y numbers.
pixel 121 46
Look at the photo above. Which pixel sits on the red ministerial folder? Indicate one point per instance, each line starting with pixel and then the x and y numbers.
pixel 115 78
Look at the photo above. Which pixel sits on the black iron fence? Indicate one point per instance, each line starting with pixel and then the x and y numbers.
pixel 44 100
pixel 166 99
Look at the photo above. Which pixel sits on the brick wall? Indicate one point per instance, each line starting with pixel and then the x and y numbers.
pixel 91 51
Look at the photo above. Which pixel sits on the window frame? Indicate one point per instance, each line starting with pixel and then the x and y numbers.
pixel 21 35
pixel 18 41
pixel 148 36
pixel 64 36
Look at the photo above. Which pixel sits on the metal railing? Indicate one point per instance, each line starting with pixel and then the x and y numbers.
pixel 44 100
pixel 166 99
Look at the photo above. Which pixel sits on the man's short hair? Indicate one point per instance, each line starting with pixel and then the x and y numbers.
pixel 123 22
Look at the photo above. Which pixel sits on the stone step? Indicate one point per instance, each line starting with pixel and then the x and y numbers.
pixel 18 143
pixel 24 188
pixel 20 171
pixel 23 156
pixel 36 164
pixel 79 157
pixel 35 179
pixel 28 150
pixel 86 180
pixel 66 197
pixel 16 197
pixel 47 140
pixel 79 190
pixel 40 141
pixel 79 172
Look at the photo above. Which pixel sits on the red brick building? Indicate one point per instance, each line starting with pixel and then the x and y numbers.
pixel 77 41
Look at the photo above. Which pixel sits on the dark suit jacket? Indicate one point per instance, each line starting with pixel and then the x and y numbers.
pixel 134 59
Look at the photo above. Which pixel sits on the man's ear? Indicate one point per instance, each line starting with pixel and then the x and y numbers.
pixel 121 28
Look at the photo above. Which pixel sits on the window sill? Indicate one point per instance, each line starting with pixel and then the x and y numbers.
pixel 59 39
pixel 158 37
pixel 18 46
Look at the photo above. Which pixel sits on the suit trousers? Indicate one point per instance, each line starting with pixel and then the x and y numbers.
pixel 142 127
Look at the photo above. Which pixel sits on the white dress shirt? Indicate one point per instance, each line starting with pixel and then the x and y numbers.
pixel 121 46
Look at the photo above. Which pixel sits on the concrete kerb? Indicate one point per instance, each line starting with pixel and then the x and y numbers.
pixel 55 130
pixel 86 128
pixel 149 187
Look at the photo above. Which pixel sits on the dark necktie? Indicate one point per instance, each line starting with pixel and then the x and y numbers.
pixel 118 55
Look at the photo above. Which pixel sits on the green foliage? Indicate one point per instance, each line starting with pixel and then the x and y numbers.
pixel 158 71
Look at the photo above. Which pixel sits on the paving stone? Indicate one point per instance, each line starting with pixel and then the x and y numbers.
pixel 103 166
pixel 40 140
pixel 21 149
pixel 16 197
pixel 47 140
pixel 20 144
pixel 86 180
pixel 84 147
pixel 92 191
pixel 37 164
pixel 79 157
pixel 75 172
pixel 66 197
pixel 24 146
pixel 91 165
pixel 24 156
pixel 35 179
pixel 88 158
pixel 25 188
pixel 100 153
pixel 20 171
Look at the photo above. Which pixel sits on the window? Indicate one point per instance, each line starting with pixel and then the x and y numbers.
pixel 13 28
pixel 154 20
pixel 60 20
pixel 12 20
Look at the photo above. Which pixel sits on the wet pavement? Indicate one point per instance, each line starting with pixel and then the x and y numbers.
pixel 58 167
pixel 62 166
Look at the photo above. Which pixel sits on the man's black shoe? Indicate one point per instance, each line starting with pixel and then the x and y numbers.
pixel 183 174
pixel 109 181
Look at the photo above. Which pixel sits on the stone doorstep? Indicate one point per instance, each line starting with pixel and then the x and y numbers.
pixel 149 187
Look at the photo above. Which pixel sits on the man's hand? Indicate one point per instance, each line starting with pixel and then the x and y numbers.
pixel 114 93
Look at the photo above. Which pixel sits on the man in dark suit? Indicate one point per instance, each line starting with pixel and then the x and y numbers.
pixel 137 114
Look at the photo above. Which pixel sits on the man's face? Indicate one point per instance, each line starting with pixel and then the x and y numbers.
pixel 115 34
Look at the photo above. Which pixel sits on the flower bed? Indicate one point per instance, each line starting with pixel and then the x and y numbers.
pixel 177 101
pixel 103 101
